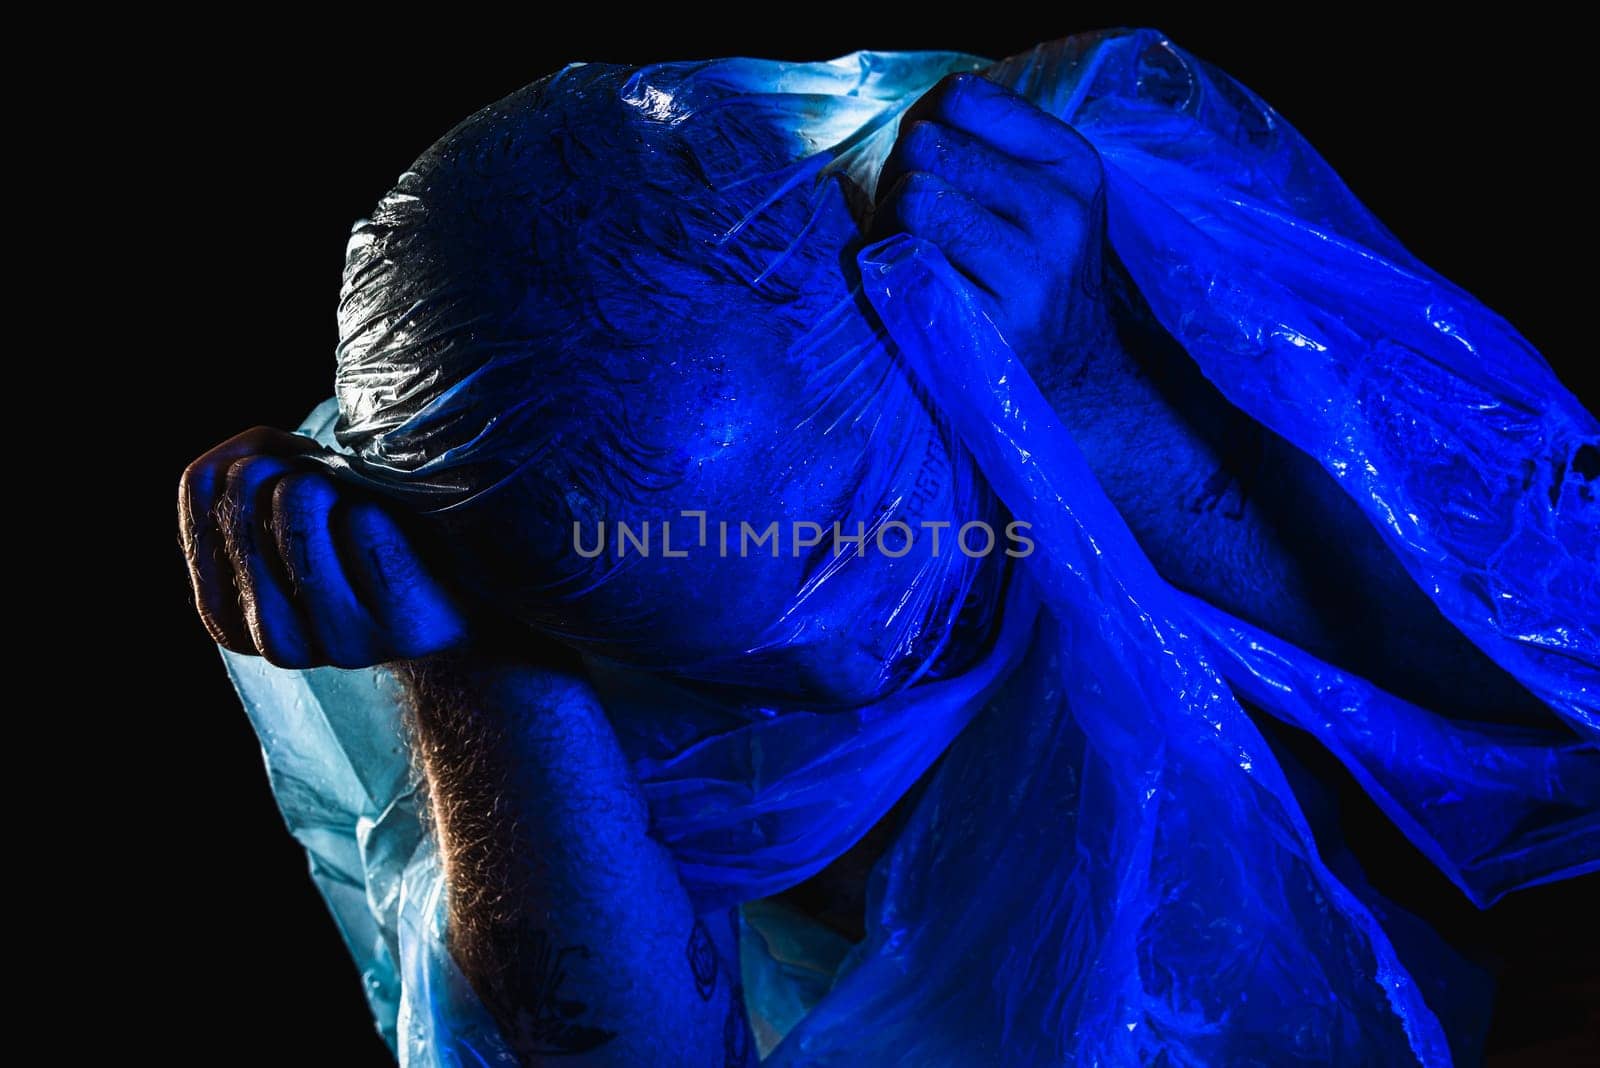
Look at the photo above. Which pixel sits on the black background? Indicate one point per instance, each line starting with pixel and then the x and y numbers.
pixel 248 159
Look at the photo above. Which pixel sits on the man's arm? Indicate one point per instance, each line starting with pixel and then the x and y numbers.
pixel 566 917
pixel 1224 508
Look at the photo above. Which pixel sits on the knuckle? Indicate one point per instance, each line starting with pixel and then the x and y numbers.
pixel 298 500
pixel 227 518
pixel 970 233
pixel 239 473
pixel 244 481
pixel 234 502
pixel 1078 164
pixel 971 227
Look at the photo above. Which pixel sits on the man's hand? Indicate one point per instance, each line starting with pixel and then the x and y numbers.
pixel 1012 197
pixel 567 917
pixel 288 564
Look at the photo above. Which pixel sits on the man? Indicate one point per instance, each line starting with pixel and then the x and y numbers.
pixel 590 301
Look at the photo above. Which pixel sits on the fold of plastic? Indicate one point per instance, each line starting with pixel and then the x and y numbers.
pixel 1441 422
pixel 1143 884
pixel 1436 416
pixel 1109 866
pixel 337 763
pixel 1495 808
pixel 757 808
pixel 439 450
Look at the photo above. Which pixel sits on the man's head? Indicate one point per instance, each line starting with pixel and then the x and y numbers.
pixel 621 294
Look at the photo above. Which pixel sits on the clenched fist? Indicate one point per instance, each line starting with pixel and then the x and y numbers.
pixel 1013 198
pixel 293 566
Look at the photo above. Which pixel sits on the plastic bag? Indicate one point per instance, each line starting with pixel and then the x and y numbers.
pixel 1109 865
pixel 685 250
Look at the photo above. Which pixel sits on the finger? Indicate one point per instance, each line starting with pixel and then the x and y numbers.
pixel 979 244
pixel 211 575
pixel 1013 125
pixel 276 626
pixel 210 569
pixel 302 525
pixel 1024 194
pixel 414 611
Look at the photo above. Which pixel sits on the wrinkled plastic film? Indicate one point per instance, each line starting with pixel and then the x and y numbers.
pixel 1109 864
pixel 753 810
pixel 338 767
pixel 1441 421
pixel 766 139
pixel 1495 808
pixel 1153 714
pixel 438 453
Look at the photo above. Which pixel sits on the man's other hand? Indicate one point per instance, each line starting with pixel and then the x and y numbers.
pixel 293 566
pixel 1013 198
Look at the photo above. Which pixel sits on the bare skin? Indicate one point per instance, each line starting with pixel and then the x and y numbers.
pixel 547 856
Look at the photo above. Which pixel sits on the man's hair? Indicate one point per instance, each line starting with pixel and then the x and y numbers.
pixel 551 253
